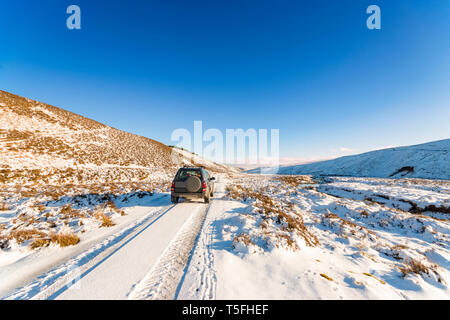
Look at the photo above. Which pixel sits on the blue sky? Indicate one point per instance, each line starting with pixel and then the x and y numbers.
pixel 308 68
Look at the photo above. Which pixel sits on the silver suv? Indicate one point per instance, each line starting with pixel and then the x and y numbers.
pixel 192 183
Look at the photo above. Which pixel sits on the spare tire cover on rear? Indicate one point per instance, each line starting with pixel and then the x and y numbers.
pixel 193 184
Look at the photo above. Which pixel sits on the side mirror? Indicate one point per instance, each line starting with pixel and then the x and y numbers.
pixel 212 178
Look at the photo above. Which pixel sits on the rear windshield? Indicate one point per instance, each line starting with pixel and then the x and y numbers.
pixel 183 174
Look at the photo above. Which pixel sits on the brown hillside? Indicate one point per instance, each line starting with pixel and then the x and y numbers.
pixel 39 141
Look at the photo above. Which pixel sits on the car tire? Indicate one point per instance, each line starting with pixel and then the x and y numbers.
pixel 206 199
pixel 174 199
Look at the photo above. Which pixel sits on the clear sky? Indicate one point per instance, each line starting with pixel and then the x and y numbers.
pixel 308 68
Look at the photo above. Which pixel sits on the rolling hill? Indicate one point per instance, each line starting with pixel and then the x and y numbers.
pixel 40 143
pixel 429 161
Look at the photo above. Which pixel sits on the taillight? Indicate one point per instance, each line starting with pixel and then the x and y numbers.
pixel 172 188
pixel 204 186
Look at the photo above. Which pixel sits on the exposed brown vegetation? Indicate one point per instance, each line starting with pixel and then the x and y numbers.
pixel 242 238
pixel 413 266
pixel 62 239
pixel 323 275
pixel 290 243
pixel 41 242
pixel 26 234
pixel 65 239
pixel 68 212
pixel 296 180
pixel 293 222
pixel 104 219
pixel 110 204
pixel 400 247
pixel 4 206
pixel 345 226
pixel 372 276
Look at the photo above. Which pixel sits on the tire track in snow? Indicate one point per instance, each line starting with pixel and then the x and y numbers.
pixel 162 281
pixel 59 279
pixel 208 277
pixel 208 273
pixel 202 256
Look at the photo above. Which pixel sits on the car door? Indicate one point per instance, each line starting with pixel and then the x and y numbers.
pixel 209 182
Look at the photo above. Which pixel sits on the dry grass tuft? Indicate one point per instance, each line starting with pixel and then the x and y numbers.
pixel 242 238
pixel 289 241
pixel 400 247
pixel 4 206
pixel 65 239
pixel 111 204
pixel 104 219
pixel 68 212
pixel 38 243
pixel 372 276
pixel 23 235
pixel 323 275
pixel 67 209
pixel 414 266
pixel 294 181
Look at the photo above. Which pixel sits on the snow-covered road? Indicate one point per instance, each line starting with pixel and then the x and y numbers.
pixel 116 275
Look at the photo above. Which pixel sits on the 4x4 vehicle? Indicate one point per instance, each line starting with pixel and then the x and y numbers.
pixel 192 183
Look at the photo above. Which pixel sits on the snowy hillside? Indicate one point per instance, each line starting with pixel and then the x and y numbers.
pixel 429 161
pixel 43 143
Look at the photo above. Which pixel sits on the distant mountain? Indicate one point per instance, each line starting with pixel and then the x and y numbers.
pixel 429 161
pixel 40 143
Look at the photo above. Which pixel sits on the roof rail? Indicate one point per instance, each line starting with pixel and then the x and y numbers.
pixel 193 166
